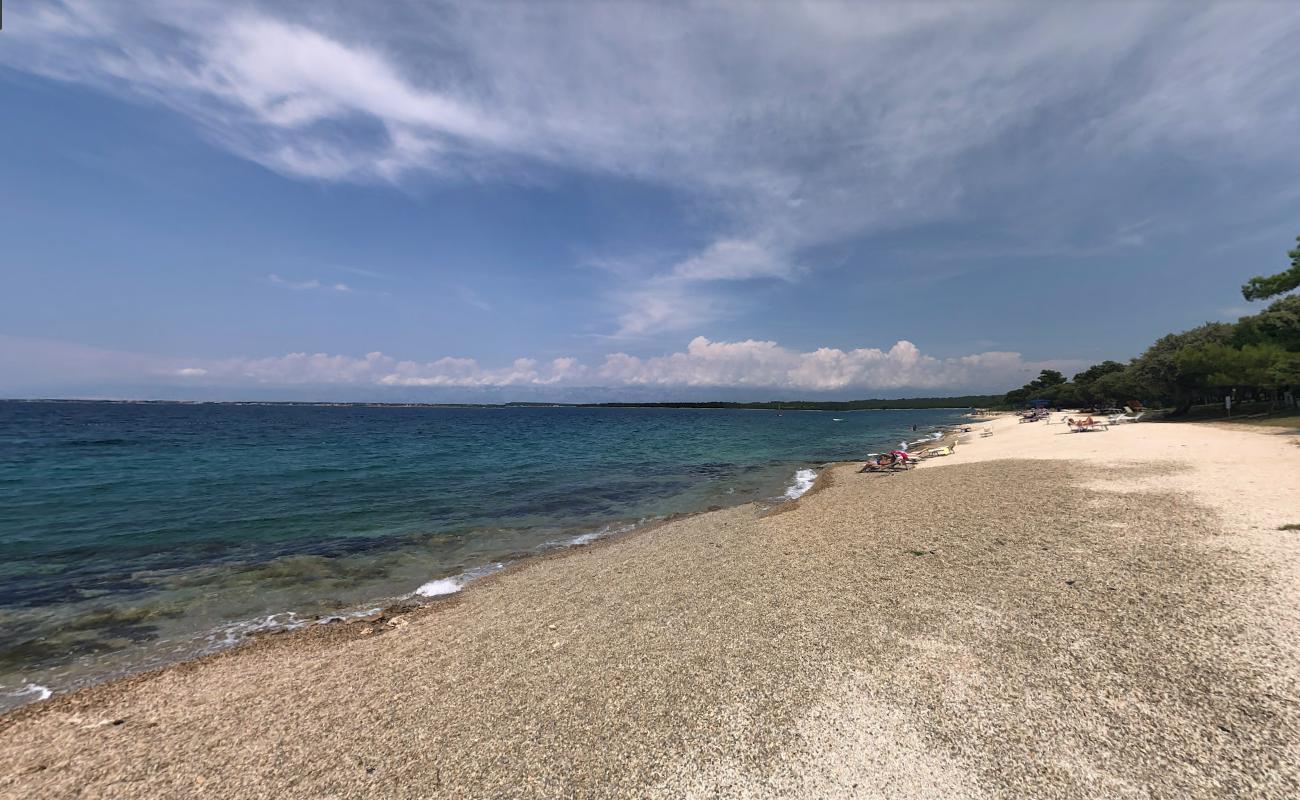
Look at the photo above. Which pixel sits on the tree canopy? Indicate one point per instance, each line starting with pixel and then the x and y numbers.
pixel 1258 355
pixel 1262 287
pixel 1280 323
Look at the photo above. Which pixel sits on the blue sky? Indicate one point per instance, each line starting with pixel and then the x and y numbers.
pixel 421 201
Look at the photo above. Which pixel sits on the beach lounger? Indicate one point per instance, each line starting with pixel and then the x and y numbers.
pixel 897 466
pixel 986 433
pixel 1117 419
pixel 1096 426
pixel 901 461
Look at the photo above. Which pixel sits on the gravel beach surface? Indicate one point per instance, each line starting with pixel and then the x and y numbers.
pixel 1042 614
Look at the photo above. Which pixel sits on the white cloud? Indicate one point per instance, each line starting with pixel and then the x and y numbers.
pixel 307 285
pixel 794 103
pixel 683 297
pixel 733 259
pixel 766 364
pixel 664 304
pixel 704 363
pixel 367 273
pixel 800 117
pixel 795 125
pixel 466 372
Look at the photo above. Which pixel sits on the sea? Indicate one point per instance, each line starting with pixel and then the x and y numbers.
pixel 133 535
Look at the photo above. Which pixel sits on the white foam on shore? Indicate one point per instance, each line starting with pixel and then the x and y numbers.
pixel 935 436
pixel 440 587
pixel 235 632
pixel 588 538
pixel 41 692
pixel 364 612
pixel 591 536
pixel 453 584
pixel 803 481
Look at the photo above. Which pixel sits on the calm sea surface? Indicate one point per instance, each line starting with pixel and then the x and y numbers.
pixel 132 535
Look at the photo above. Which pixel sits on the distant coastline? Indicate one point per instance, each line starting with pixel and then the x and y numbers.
pixel 898 404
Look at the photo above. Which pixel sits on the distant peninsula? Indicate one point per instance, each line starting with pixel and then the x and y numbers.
pixel 966 401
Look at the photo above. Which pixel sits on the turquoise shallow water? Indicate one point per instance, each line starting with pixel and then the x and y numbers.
pixel 135 534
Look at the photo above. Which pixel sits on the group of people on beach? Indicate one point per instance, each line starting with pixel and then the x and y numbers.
pixel 902 458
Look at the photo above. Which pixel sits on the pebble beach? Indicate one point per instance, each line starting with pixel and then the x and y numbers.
pixel 1040 614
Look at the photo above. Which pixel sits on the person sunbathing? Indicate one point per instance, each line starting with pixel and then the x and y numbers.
pixel 877 464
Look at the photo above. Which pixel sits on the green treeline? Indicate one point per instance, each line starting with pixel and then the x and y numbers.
pixel 1255 358
pixel 966 401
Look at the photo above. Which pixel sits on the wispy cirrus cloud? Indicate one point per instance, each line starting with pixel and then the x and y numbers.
pixel 796 125
pixel 734 260
pixel 713 97
pixel 307 285
pixel 365 273
pixel 472 298
pixel 686 295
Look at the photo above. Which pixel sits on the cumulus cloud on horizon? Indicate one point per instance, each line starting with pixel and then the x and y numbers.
pixel 39 367
pixel 748 364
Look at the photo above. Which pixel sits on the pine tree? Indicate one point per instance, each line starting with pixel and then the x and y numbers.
pixel 1262 287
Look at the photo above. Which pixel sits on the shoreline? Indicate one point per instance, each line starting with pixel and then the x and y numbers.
pixel 363 622
pixel 288 620
pixel 401 605
pixel 752 584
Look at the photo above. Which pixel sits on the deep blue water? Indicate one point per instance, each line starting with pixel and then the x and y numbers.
pixel 131 534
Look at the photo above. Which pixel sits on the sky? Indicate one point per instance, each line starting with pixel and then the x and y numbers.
pixel 418 201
